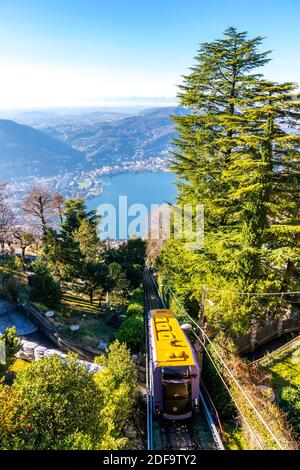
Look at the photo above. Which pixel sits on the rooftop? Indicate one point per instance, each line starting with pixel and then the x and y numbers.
pixel 172 346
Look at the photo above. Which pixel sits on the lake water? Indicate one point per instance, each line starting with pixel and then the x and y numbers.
pixel 129 196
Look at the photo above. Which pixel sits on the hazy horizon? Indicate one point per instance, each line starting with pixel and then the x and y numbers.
pixel 111 104
pixel 88 54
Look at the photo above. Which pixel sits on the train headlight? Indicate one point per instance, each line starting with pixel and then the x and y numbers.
pixel 186 326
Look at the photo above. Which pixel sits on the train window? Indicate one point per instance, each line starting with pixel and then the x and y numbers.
pixel 175 373
pixel 177 393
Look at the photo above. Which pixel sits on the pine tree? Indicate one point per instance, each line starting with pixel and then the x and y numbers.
pixel 87 238
pixel 265 174
pixel 238 154
pixel 223 72
pixel 74 214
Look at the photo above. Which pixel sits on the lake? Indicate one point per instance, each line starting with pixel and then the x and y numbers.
pixel 129 196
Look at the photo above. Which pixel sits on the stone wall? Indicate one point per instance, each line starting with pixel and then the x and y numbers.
pixel 261 334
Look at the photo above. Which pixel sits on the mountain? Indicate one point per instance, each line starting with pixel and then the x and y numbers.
pixel 134 138
pixel 57 144
pixel 44 119
pixel 25 151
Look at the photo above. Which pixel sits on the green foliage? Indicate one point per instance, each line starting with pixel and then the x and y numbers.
pixel 12 288
pixel 285 370
pixel 132 329
pixel 53 254
pixel 132 332
pixel 96 279
pixel 137 296
pixel 217 391
pixel 234 438
pixel 131 256
pixel 118 390
pixel 77 255
pixel 289 401
pixel 12 423
pixel 74 213
pixel 11 263
pixel 12 346
pixel 135 309
pixel 76 441
pixel 76 244
pixel 51 400
pixel 119 281
pixel 87 238
pixel 44 288
pixel 55 404
pixel 234 155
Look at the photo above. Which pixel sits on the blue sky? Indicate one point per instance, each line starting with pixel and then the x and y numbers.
pixel 92 52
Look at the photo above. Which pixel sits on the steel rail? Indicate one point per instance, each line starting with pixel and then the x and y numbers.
pixel 153 300
pixel 148 375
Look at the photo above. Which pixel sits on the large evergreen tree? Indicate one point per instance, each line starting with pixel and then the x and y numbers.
pixel 76 221
pixel 238 154
pixel 264 176
pixel 224 71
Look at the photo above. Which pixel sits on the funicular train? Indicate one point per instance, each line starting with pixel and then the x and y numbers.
pixel 175 372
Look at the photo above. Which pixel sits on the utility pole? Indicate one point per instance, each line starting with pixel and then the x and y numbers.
pixel 203 300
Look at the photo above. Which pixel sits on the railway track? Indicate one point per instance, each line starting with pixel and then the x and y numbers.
pixel 197 433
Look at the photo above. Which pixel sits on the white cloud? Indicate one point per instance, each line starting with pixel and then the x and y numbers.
pixel 27 85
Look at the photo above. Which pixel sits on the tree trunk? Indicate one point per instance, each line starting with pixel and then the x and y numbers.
pixel 23 248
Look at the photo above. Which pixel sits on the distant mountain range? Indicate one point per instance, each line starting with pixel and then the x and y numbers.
pixel 60 143
pixel 138 137
pixel 25 151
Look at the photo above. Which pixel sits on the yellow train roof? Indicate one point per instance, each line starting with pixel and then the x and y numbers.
pixel 172 347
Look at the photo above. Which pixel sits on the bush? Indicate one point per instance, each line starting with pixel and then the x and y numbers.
pixel 58 405
pixel 289 401
pixel 137 296
pixel 131 332
pixel 118 390
pixel 44 288
pixel 12 289
pixel 49 401
pixel 135 309
pixel 12 346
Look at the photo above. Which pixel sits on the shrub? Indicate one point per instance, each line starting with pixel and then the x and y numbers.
pixel 290 402
pixel 135 309
pixel 131 332
pixel 49 401
pixel 137 296
pixel 44 288
pixel 55 404
pixel 12 346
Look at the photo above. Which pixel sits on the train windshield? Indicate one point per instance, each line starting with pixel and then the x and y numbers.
pixel 177 390
pixel 175 373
